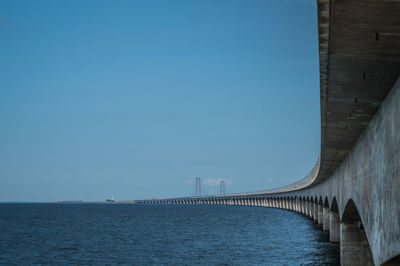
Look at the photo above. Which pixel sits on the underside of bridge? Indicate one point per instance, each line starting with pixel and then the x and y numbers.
pixel 353 190
pixel 359 64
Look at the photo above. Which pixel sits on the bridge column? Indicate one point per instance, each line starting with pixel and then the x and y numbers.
pixel 301 206
pixel 297 205
pixel 325 214
pixel 305 207
pixel 315 212
pixel 308 208
pixel 311 209
pixel 334 227
pixel 320 214
pixel 354 247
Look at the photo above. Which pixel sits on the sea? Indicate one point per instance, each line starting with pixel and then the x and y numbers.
pixel 147 234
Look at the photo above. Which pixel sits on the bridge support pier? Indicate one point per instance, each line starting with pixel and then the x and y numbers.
pixel 325 214
pixel 315 212
pixel 298 205
pixel 334 227
pixel 320 214
pixel 306 207
pixel 354 247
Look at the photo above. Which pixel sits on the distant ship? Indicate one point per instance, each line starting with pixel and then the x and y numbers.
pixel 110 200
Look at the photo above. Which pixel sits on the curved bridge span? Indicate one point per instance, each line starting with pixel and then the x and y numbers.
pixel 353 191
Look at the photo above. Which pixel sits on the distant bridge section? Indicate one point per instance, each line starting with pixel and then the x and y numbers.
pixel 353 191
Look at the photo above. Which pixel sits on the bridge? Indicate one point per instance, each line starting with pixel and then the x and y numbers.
pixel 353 189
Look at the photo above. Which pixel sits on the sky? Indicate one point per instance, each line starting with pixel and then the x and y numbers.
pixel 134 99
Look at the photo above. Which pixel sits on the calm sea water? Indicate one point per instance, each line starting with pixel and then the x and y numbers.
pixel 160 235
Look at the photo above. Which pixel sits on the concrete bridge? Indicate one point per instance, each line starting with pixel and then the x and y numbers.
pixel 353 191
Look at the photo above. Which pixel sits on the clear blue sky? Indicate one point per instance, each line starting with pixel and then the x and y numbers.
pixel 134 99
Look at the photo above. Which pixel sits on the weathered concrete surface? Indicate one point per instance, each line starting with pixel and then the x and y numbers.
pixel 320 214
pixel 315 212
pixel 334 227
pixel 326 215
pixel 354 248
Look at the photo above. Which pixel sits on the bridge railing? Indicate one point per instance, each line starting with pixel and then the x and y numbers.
pixel 305 181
